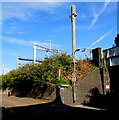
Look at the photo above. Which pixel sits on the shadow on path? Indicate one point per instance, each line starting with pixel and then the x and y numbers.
pixel 54 111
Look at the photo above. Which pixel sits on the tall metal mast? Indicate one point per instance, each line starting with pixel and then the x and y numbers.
pixel 73 20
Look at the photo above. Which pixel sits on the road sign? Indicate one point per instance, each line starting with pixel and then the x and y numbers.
pixel 107 87
pixel 73 77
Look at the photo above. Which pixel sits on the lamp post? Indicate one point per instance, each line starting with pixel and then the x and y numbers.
pixel 75 61
pixel 74 78
pixel 73 20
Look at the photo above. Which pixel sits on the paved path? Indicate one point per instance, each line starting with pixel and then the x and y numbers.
pixel 13 101
pixel 31 109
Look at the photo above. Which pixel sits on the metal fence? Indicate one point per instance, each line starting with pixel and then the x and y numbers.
pixel 111 56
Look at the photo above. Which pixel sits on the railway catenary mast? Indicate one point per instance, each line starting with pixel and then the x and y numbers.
pixel 38 47
pixel 73 21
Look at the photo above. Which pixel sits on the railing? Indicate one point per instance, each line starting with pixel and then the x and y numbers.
pixel 111 56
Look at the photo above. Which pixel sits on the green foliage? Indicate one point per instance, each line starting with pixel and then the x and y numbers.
pixel 53 64
pixel 117 40
pixel 0 80
pixel 37 76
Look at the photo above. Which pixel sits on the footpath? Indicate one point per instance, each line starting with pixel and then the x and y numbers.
pixel 15 108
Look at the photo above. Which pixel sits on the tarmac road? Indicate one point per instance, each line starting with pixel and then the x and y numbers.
pixel 15 108
pixel 13 101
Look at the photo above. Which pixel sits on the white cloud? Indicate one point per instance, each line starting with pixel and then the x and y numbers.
pixel 11 11
pixel 97 15
pixel 22 42
pixel 34 0
pixel 5 70
pixel 47 44
pixel 19 33
pixel 8 32
pixel 25 11
pixel 10 52
pixel 17 41
pixel 82 16
pixel 58 0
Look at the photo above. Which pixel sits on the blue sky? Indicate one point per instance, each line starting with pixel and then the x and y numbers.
pixel 26 22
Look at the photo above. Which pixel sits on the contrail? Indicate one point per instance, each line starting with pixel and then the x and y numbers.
pixel 96 16
pixel 100 39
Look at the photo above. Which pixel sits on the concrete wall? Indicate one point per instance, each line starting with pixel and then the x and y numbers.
pixel 66 94
pixel 50 94
pixel 93 80
pixel 98 79
pixel 114 79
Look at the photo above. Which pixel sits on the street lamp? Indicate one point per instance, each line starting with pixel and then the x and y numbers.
pixel 74 77
pixel 76 50
pixel 74 61
pixel 73 21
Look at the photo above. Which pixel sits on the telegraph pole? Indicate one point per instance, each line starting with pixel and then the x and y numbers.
pixel 73 20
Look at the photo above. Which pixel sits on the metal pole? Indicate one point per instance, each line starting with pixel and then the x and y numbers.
pixel 73 20
pixel 59 73
pixel 74 87
pixel 34 57
pixel 17 63
pixel 50 46
pixel 3 68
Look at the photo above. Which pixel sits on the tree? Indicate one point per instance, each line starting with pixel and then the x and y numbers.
pixel 117 40
pixel 35 79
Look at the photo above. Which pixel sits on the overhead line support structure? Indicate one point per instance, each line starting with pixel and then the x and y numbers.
pixel 38 47
pixel 73 21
